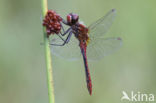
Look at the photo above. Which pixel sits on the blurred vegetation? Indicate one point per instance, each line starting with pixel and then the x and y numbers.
pixel 22 62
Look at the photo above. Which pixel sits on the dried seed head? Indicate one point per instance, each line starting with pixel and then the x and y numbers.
pixel 52 22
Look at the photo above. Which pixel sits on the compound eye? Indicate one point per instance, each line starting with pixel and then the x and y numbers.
pixel 69 19
pixel 75 17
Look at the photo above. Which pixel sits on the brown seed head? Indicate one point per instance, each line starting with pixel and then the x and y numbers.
pixel 52 22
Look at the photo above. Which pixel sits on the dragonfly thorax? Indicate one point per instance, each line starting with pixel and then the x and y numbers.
pixel 81 32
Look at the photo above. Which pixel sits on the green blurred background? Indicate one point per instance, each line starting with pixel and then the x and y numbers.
pixel 22 61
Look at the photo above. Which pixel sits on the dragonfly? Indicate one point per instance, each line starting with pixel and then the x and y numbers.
pixel 85 42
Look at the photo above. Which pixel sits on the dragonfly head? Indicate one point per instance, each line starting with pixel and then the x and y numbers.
pixel 72 18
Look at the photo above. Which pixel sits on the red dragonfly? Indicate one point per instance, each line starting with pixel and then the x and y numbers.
pixel 93 45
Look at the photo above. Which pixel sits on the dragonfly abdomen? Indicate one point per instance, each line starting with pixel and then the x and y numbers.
pixel 88 77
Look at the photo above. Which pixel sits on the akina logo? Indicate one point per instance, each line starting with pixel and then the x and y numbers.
pixel 137 97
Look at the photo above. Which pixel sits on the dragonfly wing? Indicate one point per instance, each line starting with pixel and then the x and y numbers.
pixel 70 51
pixel 100 47
pixel 101 26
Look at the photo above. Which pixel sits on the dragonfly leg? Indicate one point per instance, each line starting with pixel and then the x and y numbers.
pixel 60 37
pixel 65 32
pixel 66 41
pixel 65 22
pixel 62 27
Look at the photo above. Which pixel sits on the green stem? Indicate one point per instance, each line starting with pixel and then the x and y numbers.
pixel 48 57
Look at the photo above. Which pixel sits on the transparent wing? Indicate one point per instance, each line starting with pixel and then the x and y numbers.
pixel 101 26
pixel 70 51
pixel 100 47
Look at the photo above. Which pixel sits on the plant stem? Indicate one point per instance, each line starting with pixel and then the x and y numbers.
pixel 48 57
